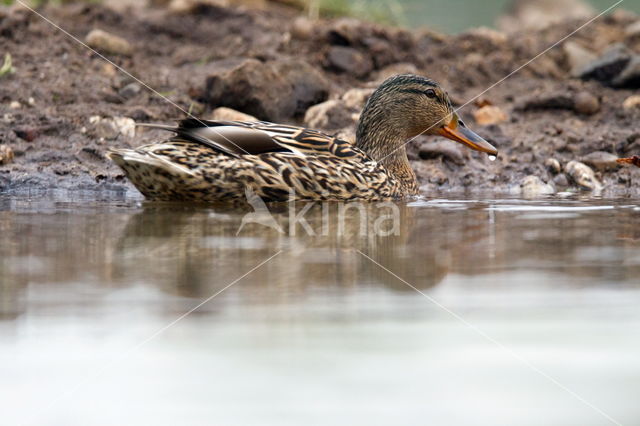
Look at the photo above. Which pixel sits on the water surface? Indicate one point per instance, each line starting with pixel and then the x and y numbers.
pixel 467 307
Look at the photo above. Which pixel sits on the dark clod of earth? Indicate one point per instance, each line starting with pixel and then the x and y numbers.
pixel 560 123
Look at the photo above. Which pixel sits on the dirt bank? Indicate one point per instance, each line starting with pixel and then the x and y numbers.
pixel 64 105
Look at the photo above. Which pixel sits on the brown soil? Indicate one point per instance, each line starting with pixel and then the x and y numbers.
pixel 60 85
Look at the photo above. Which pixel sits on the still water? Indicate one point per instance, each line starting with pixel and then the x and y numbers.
pixel 472 311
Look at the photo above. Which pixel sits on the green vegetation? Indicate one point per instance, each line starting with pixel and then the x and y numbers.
pixel 385 12
pixel 7 66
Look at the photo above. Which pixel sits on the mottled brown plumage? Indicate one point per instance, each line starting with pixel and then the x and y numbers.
pixel 221 160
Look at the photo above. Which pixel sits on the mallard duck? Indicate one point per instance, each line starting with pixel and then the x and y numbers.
pixel 225 160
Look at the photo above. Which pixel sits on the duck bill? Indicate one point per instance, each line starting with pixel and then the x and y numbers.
pixel 457 131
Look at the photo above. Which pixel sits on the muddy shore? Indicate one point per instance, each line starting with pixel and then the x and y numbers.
pixel 559 122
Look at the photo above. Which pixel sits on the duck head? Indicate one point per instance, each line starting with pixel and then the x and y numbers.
pixel 405 106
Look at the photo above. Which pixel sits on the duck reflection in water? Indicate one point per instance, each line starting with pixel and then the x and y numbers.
pixel 193 250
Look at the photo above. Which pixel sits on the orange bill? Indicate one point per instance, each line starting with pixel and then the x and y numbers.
pixel 457 131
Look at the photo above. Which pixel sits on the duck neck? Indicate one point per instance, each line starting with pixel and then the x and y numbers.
pixel 384 142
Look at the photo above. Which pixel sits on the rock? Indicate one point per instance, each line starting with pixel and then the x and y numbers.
pixel 274 90
pixel 129 91
pixel 347 134
pixel 583 176
pixel 6 154
pixel 228 114
pixel 394 69
pixel 489 114
pixel 302 28
pixel 609 65
pixel 553 165
pixel 106 42
pixel 537 14
pixel 561 180
pixel 444 149
pixel 328 115
pixel 547 101
pixel 632 30
pixel 601 160
pixel 632 102
pixel 586 103
pixel 577 57
pixel 356 98
pixel 15 105
pixel 533 186
pixel 630 75
pixel 111 128
pixel 349 60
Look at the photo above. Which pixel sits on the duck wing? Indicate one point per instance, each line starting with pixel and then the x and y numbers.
pixel 237 138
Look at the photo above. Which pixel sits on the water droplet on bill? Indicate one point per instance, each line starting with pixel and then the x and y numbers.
pixel 492 158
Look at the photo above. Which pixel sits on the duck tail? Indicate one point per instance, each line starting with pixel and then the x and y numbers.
pixel 151 174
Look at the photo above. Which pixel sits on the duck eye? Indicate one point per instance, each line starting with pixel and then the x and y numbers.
pixel 430 93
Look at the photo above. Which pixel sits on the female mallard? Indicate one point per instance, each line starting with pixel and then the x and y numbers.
pixel 224 160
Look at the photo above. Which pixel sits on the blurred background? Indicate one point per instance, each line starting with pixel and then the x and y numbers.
pixel 449 16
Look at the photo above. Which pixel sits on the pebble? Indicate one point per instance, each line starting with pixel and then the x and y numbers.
pixel 553 165
pixel 356 98
pixel 561 180
pixel 229 114
pixel 583 176
pixel 489 114
pixel 15 105
pixel 533 186
pixel 630 75
pixel 6 154
pixel 632 102
pixel 633 30
pixel 577 57
pixel 107 42
pixel 349 60
pixel 328 115
pixel 111 128
pixel 608 65
pixel 586 103
pixel 130 91
pixel 601 160
pixel 302 28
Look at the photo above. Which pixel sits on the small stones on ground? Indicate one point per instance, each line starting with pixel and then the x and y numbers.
pixel 274 90
pixel 130 91
pixel 583 176
pixel 228 114
pixel 349 60
pixel 302 28
pixel 444 149
pixel 6 154
pixel 632 102
pixel 393 69
pixel 107 42
pixel 15 105
pixel 586 103
pixel 577 57
pixel 561 180
pixel 356 98
pixel 111 128
pixel 533 186
pixel 553 165
pixel 328 115
pixel 630 75
pixel 601 160
pixel 609 65
pixel 489 114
